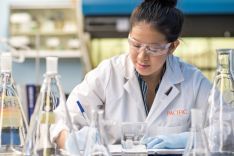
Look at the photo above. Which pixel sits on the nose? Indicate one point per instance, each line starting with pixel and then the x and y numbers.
pixel 142 53
pixel 142 49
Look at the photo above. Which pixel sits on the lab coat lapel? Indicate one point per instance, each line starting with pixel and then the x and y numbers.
pixel 133 89
pixel 167 90
pixel 163 100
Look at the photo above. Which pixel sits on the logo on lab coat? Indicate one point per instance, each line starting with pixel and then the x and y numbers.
pixel 177 112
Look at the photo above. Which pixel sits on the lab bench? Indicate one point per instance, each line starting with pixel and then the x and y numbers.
pixel 116 150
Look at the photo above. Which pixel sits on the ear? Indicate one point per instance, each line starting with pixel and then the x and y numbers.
pixel 173 46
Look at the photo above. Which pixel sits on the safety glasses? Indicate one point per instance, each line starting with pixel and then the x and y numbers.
pixel 151 49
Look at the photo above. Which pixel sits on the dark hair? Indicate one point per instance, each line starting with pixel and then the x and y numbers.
pixel 162 15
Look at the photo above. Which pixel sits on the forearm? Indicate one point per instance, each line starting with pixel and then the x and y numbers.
pixel 60 140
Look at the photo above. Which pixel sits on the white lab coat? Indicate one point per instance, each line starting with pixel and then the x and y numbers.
pixel 114 85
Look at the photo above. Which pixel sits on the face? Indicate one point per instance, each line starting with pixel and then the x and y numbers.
pixel 148 49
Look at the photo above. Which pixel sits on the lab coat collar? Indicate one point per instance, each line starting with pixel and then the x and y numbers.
pixel 173 72
pixel 128 67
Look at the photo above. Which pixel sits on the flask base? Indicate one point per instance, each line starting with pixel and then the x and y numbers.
pixel 10 150
pixel 51 152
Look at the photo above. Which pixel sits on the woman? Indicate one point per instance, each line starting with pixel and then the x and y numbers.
pixel 147 84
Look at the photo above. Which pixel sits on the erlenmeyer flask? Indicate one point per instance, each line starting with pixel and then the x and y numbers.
pixel 40 140
pixel 197 144
pixel 13 123
pixel 221 118
pixel 96 143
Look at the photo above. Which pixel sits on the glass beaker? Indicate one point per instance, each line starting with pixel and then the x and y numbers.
pixel 197 144
pixel 13 123
pixel 221 100
pixel 132 134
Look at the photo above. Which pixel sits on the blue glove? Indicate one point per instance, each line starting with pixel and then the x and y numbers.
pixel 71 144
pixel 170 141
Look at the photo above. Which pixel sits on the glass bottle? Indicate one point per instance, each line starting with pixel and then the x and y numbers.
pixel 221 118
pixel 197 144
pixel 46 119
pixel 96 143
pixel 13 123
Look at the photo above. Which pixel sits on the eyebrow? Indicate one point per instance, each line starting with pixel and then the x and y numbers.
pixel 158 44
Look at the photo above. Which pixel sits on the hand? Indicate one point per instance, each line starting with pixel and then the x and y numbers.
pixel 80 136
pixel 170 141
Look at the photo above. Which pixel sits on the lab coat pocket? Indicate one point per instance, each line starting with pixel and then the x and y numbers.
pixel 163 130
pixel 174 121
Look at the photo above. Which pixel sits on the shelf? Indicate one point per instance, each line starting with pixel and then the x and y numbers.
pixel 43 5
pixel 42 54
pixel 40 29
pixel 55 33
pixel 45 24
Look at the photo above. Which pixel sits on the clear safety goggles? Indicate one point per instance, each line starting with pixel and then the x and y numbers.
pixel 151 49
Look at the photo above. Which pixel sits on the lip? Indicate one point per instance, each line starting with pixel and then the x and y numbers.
pixel 142 66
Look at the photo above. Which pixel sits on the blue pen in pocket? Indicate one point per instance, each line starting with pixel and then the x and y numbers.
pixel 83 112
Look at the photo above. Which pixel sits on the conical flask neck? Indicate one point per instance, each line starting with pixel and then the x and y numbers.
pixel 224 60
pixel 94 119
pixel 51 79
pixel 51 94
pixel 6 78
pixel 97 119
pixel 51 76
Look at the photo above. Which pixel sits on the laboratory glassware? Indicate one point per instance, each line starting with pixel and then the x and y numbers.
pixel 13 123
pixel 221 100
pixel 46 119
pixel 96 141
pixel 131 135
pixel 197 144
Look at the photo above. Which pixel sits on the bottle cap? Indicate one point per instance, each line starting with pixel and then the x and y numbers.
pixel 6 62
pixel 51 65
pixel 196 118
